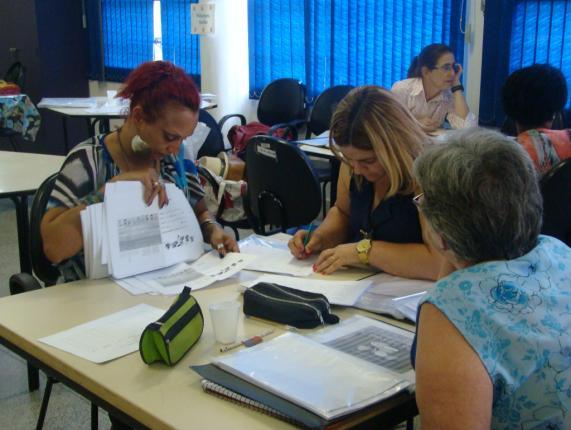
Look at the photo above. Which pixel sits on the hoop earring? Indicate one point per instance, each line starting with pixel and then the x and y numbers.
pixel 139 146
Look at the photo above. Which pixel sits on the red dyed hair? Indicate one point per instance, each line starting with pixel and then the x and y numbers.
pixel 155 84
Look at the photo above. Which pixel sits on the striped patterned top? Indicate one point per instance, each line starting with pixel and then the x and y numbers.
pixel 87 168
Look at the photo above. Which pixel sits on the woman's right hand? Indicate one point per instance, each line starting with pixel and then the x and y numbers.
pixel 297 248
pixel 151 181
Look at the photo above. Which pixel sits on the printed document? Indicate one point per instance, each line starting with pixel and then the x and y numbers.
pixel 132 238
pixel 277 260
pixel 170 281
pixel 106 338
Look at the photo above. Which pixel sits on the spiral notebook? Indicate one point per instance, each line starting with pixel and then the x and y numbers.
pixel 232 396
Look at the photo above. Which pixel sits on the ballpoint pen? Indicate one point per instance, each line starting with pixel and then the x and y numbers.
pixel 308 236
pixel 251 341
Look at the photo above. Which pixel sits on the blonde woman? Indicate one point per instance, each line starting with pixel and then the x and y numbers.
pixel 374 220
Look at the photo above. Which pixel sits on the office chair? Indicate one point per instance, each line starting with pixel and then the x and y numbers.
pixel 319 121
pixel 282 105
pixel 283 188
pixel 48 274
pixel 214 142
pixel 323 108
pixel 556 192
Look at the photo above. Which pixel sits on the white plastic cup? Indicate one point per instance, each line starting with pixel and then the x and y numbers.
pixel 224 316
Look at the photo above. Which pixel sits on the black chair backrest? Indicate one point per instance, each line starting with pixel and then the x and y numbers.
pixel 282 101
pixel 41 266
pixel 214 141
pixel 323 108
pixel 16 74
pixel 283 189
pixel 556 191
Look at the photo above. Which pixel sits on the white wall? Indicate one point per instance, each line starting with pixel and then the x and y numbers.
pixel 473 53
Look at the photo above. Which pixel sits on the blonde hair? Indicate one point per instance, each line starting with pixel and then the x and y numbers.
pixel 372 118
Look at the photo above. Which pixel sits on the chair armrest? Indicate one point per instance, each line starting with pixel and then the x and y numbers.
pixel 225 118
pixel 22 283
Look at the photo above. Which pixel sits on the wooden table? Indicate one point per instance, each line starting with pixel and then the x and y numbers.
pixel 20 176
pixel 153 396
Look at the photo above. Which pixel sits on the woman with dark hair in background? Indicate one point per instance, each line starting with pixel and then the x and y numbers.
pixel 164 105
pixel 532 97
pixel 433 92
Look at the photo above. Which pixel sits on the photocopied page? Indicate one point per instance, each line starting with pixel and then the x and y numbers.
pixel 374 341
pixel 328 383
pixel 170 281
pixel 106 338
pixel 344 293
pixel 142 238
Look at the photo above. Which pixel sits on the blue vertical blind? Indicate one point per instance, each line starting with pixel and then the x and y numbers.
pixel 519 33
pixel 120 36
pixel 541 33
pixel 179 46
pixel 332 42
pixel 127 29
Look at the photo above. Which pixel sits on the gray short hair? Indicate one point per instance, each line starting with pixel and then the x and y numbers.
pixel 481 194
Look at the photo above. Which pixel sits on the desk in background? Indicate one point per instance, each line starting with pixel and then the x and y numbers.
pixel 144 396
pixel 97 113
pixel 20 176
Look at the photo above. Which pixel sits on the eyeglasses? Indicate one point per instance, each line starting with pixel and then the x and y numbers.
pixel 448 67
pixel 417 200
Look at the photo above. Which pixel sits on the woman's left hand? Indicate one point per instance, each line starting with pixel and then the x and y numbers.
pixel 457 73
pixel 222 241
pixel 336 258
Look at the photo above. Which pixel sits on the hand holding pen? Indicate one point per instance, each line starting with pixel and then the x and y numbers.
pixel 305 243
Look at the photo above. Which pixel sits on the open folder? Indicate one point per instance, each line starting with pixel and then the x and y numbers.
pixel 300 376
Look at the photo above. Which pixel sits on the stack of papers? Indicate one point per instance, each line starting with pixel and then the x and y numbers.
pixel 69 102
pixel 129 237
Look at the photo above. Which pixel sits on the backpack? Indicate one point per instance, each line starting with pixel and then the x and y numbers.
pixel 224 198
pixel 239 135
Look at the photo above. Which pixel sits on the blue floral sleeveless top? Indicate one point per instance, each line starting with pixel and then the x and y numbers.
pixel 517 316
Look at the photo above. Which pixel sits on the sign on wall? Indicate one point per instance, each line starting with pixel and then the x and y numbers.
pixel 202 18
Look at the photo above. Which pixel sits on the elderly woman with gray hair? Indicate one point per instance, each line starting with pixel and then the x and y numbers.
pixel 493 345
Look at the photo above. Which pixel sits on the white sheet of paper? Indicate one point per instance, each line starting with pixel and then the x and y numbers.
pixel 344 293
pixel 106 338
pixel 144 238
pixel 275 260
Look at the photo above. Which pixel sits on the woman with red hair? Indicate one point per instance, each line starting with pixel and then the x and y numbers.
pixel 164 105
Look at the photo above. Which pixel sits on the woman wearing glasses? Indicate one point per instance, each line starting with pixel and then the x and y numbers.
pixel 374 220
pixel 433 92
pixel 493 348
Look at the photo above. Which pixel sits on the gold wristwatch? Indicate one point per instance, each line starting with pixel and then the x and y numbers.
pixel 363 249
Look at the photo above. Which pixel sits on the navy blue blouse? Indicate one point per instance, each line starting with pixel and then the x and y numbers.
pixel 393 220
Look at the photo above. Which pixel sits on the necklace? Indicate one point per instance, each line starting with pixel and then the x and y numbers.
pixel 123 153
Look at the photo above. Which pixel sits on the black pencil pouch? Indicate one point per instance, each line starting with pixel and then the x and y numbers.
pixel 288 306
pixel 170 337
